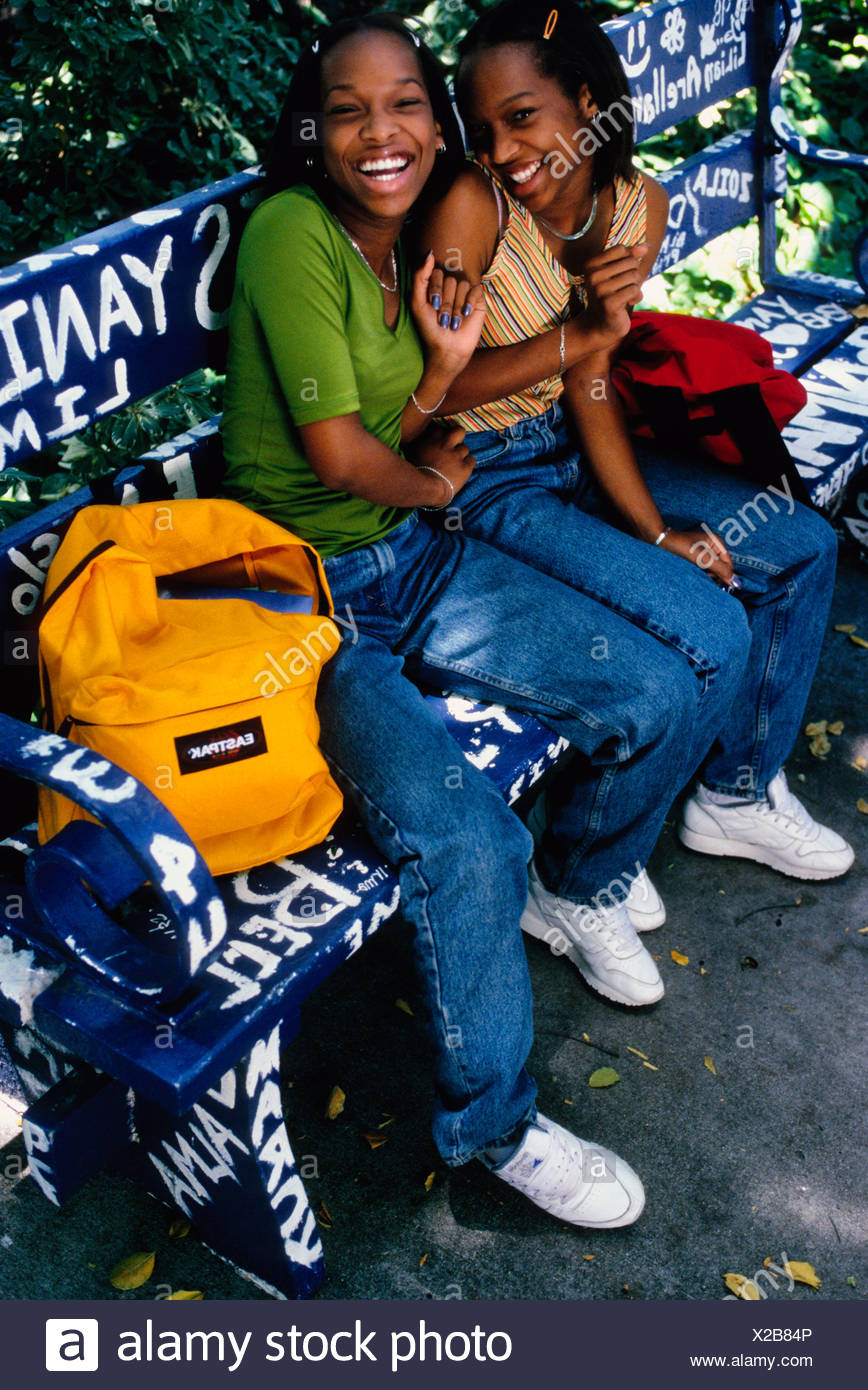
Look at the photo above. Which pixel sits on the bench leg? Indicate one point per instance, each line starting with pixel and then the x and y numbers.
pixel 228 1165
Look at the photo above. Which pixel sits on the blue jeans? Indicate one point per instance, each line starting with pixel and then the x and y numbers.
pixel 455 613
pixel 529 496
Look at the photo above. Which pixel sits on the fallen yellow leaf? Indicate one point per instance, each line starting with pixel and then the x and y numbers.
pixel 845 627
pixel 702 970
pixel 179 1228
pixel 650 1066
pixel 185 1296
pixel 802 1273
pixel 132 1272
pixel 636 1053
pixel 836 728
pixel 335 1103
pixel 711 1067
pixel 404 1007
pixel 679 958
pixel 860 763
pixel 589 1257
pixel 603 1076
pixel 423 1259
pixel 429 1182
pixel 862 805
pixel 859 641
pixel 586 1038
pixel 862 931
pixel 741 1287
pixel 375 1140
pixel 324 1216
pixel 820 727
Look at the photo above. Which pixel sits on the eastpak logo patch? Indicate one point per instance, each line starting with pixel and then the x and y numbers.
pixel 231 743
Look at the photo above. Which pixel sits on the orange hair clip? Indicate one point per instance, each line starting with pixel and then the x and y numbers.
pixel 550 24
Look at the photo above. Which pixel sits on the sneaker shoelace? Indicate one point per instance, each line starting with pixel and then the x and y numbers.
pixel 555 1177
pixel 786 810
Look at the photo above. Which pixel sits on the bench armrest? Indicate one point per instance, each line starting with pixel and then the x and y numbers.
pixel 784 130
pixel 88 869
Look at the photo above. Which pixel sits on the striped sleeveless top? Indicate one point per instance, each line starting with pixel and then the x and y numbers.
pixel 527 292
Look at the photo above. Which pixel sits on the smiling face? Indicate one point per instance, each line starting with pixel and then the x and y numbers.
pixel 379 133
pixel 513 115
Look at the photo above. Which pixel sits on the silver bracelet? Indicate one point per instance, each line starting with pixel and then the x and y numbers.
pixel 425 469
pixel 563 349
pixel 421 409
pixel 663 534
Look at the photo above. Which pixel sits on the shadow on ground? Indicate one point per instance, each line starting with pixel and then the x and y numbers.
pixel 763 1156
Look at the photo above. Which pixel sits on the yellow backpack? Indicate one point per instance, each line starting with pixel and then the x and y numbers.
pixel 165 645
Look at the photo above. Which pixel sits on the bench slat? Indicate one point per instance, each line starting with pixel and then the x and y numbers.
pixel 79 323
pixel 680 59
pixel 829 438
pixel 799 328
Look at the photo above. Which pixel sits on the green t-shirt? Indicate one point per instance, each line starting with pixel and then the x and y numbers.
pixel 308 341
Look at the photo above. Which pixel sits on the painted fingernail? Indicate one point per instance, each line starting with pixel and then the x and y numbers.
pixel 444 320
pixel 456 321
pixel 436 301
pixel 467 310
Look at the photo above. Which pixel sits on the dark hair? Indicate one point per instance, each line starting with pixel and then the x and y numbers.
pixel 292 159
pixel 577 52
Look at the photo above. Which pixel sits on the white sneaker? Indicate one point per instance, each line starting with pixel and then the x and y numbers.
pixel 778 832
pixel 573 1180
pixel 645 904
pixel 601 942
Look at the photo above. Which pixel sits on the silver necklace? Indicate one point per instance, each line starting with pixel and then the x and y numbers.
pixel 390 289
pixel 573 236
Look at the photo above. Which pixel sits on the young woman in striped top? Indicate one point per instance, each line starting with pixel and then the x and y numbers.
pixel 554 221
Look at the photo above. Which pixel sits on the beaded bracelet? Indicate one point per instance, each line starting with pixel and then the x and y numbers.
pixel 438 474
pixel 421 409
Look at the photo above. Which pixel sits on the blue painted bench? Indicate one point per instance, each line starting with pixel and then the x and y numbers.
pixel 129 1048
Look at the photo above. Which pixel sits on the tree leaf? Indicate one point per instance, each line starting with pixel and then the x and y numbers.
pixel 179 1228
pixel 603 1076
pixel 185 1296
pixel 862 805
pixel 679 958
pixel 710 1064
pixel 845 627
pixel 133 1271
pixel 429 1182
pixel 741 1287
pixel 336 1103
pixel 404 1007
pixel 836 728
pixel 375 1140
pixel 802 1273
pixel 819 727
pixel 859 641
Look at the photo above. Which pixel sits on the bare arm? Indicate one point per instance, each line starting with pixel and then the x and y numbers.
pixel 462 231
pixel 596 409
pixel 346 458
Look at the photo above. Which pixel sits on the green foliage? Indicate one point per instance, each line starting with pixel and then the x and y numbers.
pixel 115 105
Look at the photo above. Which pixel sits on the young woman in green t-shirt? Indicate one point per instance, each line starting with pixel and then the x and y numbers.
pixel 337 362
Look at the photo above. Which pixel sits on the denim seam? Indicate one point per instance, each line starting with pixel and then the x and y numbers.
pixel 762 725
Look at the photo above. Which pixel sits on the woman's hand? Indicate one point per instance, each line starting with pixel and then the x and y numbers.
pixel 449 315
pixel 704 549
pixel 613 284
pixel 442 447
